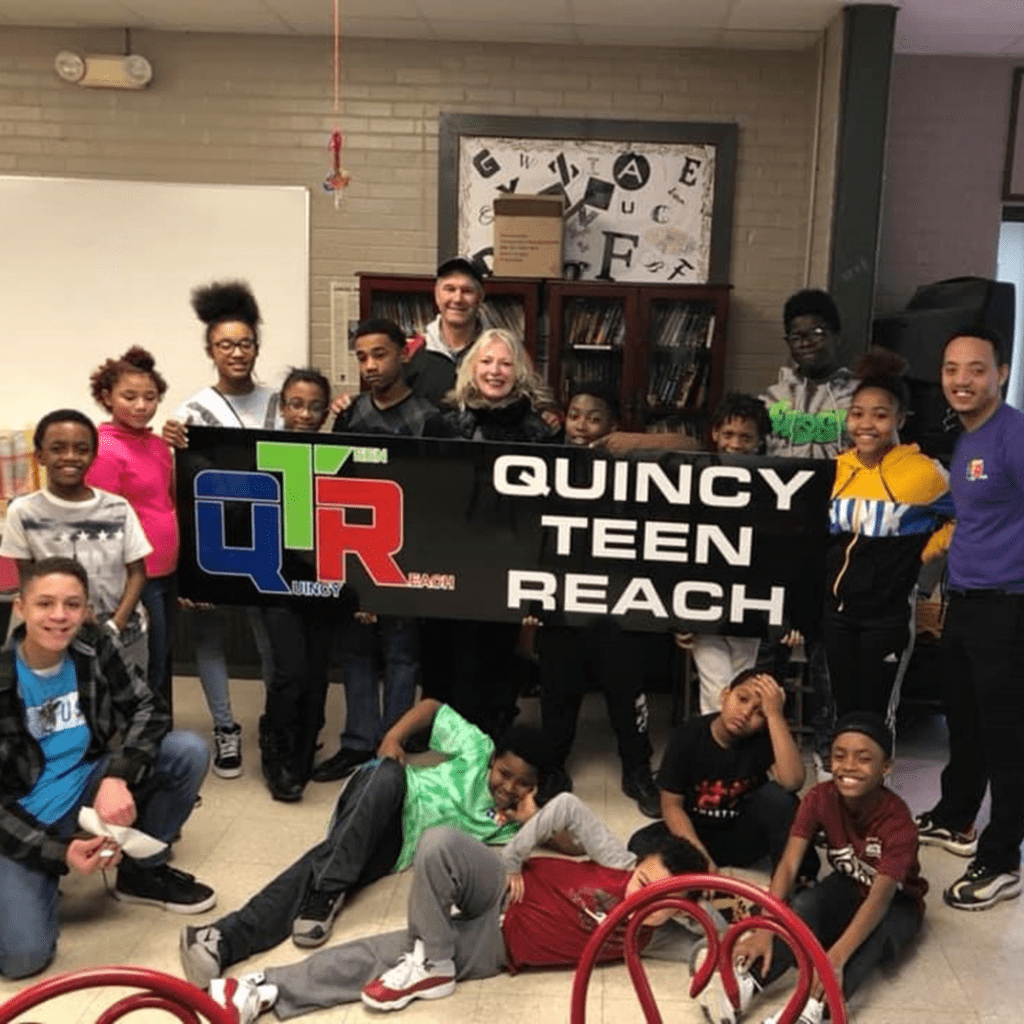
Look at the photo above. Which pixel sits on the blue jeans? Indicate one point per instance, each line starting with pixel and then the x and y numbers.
pixel 365 723
pixel 28 896
pixel 208 636
pixel 160 599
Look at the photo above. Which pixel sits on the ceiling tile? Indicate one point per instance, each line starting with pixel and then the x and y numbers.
pixel 72 13
pixel 657 15
pixel 741 39
pixel 646 35
pixel 783 15
pixel 218 16
pixel 484 12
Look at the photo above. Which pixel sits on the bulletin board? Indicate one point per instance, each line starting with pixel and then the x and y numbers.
pixel 643 201
pixel 89 268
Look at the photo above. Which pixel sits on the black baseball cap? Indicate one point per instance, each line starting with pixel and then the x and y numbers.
pixel 869 724
pixel 461 265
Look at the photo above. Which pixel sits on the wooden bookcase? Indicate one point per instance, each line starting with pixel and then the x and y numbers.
pixel 661 347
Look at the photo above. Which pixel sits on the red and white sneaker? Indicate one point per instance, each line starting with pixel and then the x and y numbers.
pixel 413 977
pixel 250 995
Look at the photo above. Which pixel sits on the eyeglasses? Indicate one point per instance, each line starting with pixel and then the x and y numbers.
pixel 298 405
pixel 814 334
pixel 246 345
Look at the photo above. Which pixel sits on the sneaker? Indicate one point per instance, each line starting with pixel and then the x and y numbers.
pixel 413 977
pixel 638 785
pixel 963 844
pixel 340 765
pixel 822 773
pixel 249 995
pixel 227 746
pixel 714 1002
pixel 199 949
pixel 315 919
pixel 812 1013
pixel 163 886
pixel 979 887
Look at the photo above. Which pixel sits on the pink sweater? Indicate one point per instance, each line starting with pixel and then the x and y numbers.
pixel 137 465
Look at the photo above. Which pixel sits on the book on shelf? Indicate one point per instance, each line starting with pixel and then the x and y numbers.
pixel 410 311
pixel 506 312
pixel 591 324
pixel 682 335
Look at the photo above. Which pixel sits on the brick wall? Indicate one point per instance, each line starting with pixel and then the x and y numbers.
pixel 258 109
pixel 941 210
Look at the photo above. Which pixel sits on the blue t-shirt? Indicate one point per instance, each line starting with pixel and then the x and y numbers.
pixel 55 720
pixel 986 477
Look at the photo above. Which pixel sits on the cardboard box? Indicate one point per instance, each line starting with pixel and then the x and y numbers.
pixel 528 236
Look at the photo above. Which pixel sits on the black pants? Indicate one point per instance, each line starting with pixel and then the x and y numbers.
pixel 983 694
pixel 300 639
pixel 469 665
pixel 363 843
pixel 569 660
pixel 827 909
pixel 762 827
pixel 867 658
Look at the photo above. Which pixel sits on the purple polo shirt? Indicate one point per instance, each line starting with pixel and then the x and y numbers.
pixel 986 477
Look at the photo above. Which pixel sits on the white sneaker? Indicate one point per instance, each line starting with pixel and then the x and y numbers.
pixel 249 994
pixel 812 1013
pixel 713 1000
pixel 413 977
pixel 821 771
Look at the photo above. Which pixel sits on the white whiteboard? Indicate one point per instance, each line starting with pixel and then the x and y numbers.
pixel 89 268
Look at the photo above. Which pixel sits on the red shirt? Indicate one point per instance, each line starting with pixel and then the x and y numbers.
pixel 883 841
pixel 564 904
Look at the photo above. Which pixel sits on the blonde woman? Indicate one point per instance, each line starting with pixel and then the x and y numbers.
pixel 498 395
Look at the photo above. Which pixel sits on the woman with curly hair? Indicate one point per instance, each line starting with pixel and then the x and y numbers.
pixel 498 395
pixel 133 462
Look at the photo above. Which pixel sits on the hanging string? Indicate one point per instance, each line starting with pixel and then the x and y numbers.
pixel 339 177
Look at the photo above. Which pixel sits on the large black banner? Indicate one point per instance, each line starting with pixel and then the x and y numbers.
pixel 474 530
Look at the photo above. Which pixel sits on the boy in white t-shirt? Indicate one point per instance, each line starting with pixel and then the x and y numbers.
pixel 68 518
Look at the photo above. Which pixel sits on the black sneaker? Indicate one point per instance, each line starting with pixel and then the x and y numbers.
pixel 201 954
pixel 163 886
pixel 341 765
pixel 963 844
pixel 315 920
pixel 227 751
pixel 980 887
pixel 638 784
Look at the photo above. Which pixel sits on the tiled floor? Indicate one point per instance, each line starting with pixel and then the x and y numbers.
pixel 965 969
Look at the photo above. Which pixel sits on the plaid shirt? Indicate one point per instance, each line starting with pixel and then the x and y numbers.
pixel 113 700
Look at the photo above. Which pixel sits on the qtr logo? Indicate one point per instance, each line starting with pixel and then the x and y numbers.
pixel 297 502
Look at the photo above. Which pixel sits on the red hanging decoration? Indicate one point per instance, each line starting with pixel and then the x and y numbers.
pixel 339 178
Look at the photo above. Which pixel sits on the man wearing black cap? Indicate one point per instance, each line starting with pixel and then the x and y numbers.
pixel 458 292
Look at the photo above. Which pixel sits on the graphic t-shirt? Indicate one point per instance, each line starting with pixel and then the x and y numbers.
pixel 454 792
pixel 212 408
pixel 565 902
pixel 405 418
pixel 103 533
pixel 883 841
pixel 55 720
pixel 986 476
pixel 713 780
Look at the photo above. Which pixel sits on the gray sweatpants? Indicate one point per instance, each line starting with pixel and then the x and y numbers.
pixel 451 868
